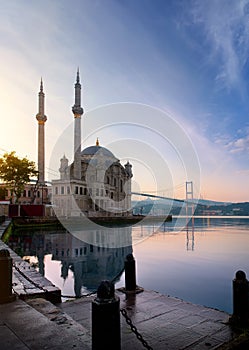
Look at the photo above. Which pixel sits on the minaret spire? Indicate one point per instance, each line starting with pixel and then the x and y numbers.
pixel 41 86
pixel 77 111
pixel 41 118
pixel 78 76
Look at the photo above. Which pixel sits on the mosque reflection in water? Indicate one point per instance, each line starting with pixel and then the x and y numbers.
pixel 89 263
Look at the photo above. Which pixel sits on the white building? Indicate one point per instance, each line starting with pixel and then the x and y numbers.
pixel 95 184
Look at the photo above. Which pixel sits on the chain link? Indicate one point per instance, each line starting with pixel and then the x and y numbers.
pixel 134 329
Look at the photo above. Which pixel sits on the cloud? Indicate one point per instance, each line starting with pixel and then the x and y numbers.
pixel 239 145
pixel 224 26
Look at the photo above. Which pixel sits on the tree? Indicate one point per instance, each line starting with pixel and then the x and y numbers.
pixel 3 193
pixel 16 172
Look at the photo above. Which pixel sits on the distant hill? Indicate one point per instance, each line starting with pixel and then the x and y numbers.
pixel 238 209
pixel 210 202
pixel 204 207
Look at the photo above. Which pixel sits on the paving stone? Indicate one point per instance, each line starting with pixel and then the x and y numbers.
pixel 206 344
pixel 208 327
pixel 9 340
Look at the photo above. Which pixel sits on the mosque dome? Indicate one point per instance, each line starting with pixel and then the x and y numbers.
pixel 97 150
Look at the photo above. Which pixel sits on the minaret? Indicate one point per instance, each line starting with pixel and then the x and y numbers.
pixel 128 169
pixel 41 118
pixel 64 168
pixel 77 111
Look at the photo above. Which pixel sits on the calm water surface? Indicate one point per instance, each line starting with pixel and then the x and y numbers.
pixel 196 263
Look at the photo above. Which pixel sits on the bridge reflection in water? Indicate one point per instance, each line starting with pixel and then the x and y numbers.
pixel 86 263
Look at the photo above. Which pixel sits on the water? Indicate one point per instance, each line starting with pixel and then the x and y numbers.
pixel 196 263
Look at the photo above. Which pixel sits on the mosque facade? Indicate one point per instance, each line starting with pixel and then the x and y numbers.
pixel 95 184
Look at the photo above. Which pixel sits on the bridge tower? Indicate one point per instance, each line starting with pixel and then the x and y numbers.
pixel 189 198
pixel 190 214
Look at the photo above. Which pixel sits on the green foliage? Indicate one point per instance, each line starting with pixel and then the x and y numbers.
pixel 16 172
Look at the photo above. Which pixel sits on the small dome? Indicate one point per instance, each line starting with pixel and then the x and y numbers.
pixel 92 150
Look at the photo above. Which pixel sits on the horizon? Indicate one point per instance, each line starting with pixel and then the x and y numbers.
pixel 185 60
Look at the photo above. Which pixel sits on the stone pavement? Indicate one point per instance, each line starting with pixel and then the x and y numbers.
pixel 22 327
pixel 166 323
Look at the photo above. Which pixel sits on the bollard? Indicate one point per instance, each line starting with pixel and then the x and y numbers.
pixel 240 298
pixel 106 332
pixel 6 295
pixel 130 273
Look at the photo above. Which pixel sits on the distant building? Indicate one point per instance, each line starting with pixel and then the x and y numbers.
pixel 32 194
pixel 95 184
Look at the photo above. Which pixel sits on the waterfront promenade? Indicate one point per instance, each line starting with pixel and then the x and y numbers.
pixel 166 323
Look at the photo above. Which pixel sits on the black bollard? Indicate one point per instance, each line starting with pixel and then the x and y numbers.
pixel 130 273
pixel 240 298
pixel 106 318
pixel 6 295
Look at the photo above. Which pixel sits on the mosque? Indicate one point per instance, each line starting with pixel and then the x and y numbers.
pixel 96 184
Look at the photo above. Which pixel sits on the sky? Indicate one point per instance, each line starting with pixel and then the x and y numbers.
pixel 186 60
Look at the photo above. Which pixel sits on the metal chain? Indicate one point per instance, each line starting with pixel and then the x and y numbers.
pixel 134 329
pixel 81 296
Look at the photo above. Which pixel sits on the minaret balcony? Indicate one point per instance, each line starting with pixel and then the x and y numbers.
pixel 77 110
